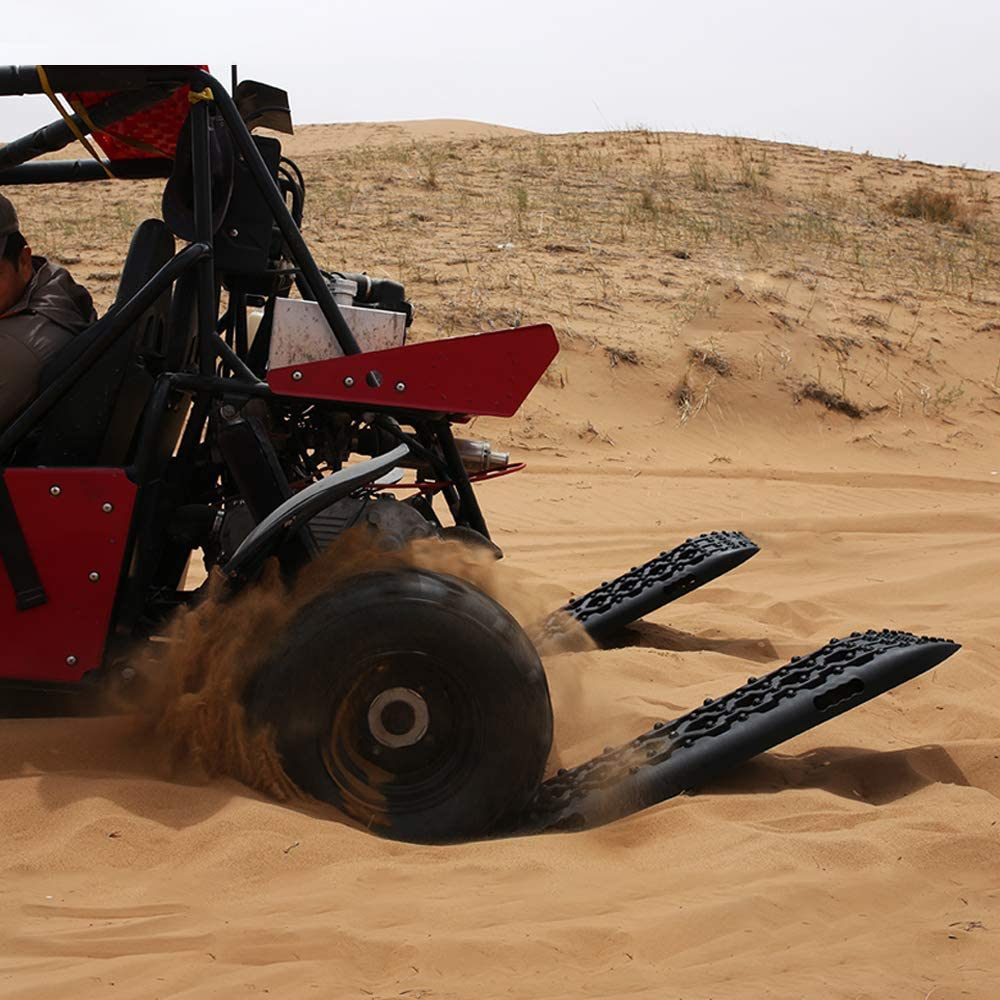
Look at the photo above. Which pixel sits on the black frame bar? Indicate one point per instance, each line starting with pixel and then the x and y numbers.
pixel 300 254
pixel 78 171
pixel 18 80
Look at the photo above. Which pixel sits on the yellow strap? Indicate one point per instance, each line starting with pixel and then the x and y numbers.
pixel 194 96
pixel 50 94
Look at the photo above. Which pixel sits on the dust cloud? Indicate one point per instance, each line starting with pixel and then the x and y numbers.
pixel 191 684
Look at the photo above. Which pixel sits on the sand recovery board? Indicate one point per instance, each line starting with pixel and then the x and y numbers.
pixel 679 756
pixel 607 609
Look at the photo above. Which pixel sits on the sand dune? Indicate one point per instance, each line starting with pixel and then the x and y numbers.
pixel 857 861
pixel 313 139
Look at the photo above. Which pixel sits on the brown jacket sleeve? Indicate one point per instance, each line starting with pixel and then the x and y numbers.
pixel 20 369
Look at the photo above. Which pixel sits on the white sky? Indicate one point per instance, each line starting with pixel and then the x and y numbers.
pixel 909 77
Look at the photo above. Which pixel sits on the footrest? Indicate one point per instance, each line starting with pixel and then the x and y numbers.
pixel 678 756
pixel 611 606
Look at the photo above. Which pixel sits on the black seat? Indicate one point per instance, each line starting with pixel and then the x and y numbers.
pixel 95 422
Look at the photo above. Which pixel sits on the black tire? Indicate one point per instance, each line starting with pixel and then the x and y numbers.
pixel 411 701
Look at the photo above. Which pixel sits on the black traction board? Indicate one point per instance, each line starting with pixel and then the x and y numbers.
pixel 678 756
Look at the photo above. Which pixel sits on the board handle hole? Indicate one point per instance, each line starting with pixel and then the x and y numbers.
pixel 842 692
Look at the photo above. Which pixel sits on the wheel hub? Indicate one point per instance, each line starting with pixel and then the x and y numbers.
pixel 398 717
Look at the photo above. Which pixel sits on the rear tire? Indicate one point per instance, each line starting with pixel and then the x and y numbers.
pixel 411 701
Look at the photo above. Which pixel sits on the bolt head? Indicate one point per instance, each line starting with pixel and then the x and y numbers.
pixel 70 661
pixel 349 381
pixel 296 376
pixel 233 233
pixel 55 490
pixel 400 387
pixel 107 507
pixel 93 576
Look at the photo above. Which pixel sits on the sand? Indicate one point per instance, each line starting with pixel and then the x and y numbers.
pixel 859 860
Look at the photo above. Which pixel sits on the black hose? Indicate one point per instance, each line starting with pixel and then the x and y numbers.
pixel 294 167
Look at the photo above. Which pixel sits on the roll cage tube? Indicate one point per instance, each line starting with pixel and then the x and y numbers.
pixel 16 81
pixel 74 171
pixel 268 188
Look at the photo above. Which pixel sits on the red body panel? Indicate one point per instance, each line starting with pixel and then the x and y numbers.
pixel 488 374
pixel 70 537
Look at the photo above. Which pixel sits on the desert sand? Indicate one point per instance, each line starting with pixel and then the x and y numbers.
pixel 751 338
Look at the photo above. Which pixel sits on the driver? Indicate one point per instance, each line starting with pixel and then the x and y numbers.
pixel 41 309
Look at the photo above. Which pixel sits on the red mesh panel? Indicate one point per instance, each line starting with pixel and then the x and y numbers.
pixel 150 134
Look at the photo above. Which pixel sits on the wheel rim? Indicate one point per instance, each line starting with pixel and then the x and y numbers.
pixel 405 737
pixel 398 717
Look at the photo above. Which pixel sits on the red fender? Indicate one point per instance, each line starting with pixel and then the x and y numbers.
pixel 487 374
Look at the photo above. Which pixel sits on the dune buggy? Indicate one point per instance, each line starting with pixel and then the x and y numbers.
pixel 239 400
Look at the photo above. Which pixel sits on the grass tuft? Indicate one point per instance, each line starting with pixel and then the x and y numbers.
pixel 925 203
pixel 832 400
pixel 617 356
pixel 709 356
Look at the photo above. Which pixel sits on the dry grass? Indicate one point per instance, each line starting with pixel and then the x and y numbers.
pixel 618 355
pixel 431 212
pixel 626 241
pixel 923 202
pixel 832 400
pixel 692 399
pixel 709 356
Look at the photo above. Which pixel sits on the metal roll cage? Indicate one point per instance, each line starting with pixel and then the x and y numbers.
pixel 134 89
pixel 141 88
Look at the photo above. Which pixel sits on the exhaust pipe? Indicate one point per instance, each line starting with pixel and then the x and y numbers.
pixel 479 456
pixel 476 456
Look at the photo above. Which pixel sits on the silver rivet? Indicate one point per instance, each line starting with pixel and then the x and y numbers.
pixel 93 576
pixel 55 490
pixel 400 387
pixel 70 661
pixel 234 232
pixel 107 507
pixel 296 376
pixel 349 381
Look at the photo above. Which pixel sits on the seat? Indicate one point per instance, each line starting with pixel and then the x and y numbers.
pixel 95 422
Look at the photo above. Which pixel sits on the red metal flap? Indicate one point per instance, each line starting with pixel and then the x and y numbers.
pixel 76 524
pixel 487 374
